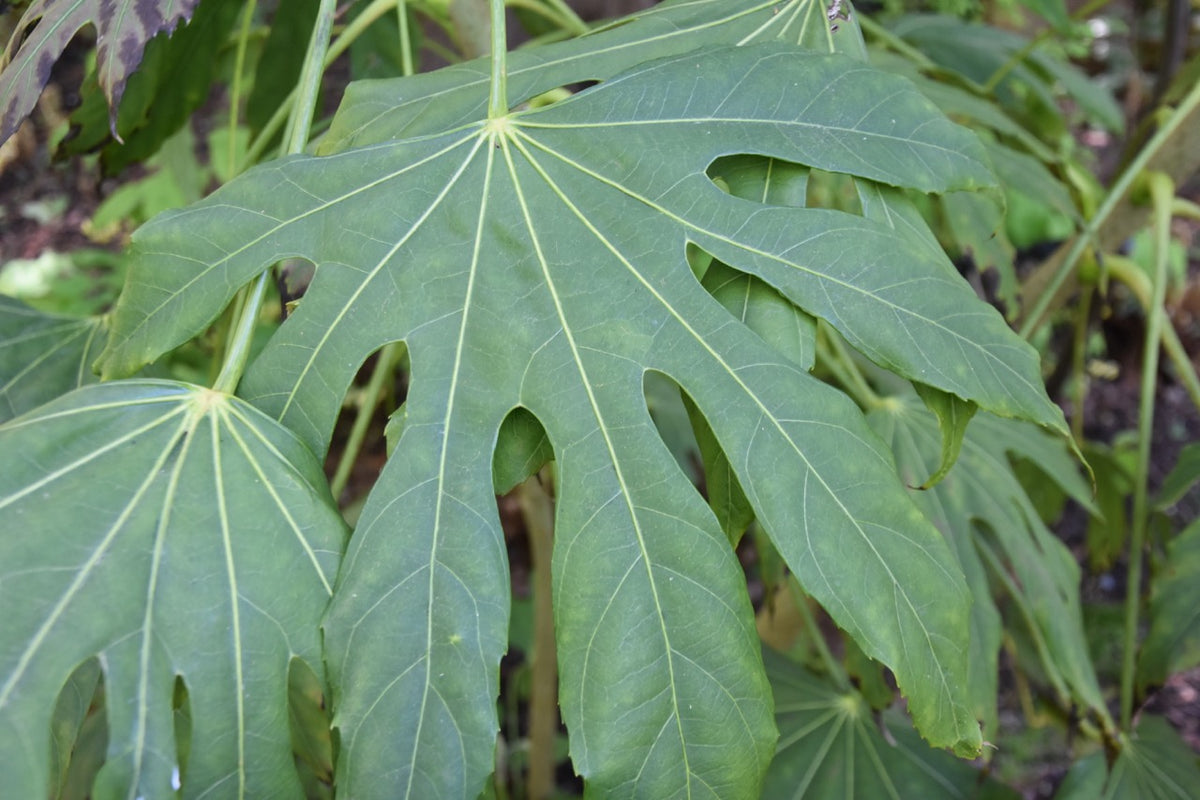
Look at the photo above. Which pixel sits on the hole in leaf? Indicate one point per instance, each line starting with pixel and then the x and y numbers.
pixel 292 279
pixel 522 448
pixel 78 732
pixel 833 190
pixel 688 436
pixel 182 703
pixel 761 179
pixel 309 724
pixel 665 402
pixel 368 428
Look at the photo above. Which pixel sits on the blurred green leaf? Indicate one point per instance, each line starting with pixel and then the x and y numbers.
pixel 1173 642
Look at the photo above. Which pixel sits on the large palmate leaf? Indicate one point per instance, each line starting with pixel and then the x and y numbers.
pixel 539 261
pixel 43 355
pixel 170 531
pixel 122 29
pixel 832 745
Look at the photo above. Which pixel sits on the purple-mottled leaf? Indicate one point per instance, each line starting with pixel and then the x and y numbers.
pixel 122 29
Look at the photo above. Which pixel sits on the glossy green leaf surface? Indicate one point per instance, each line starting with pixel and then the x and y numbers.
pixel 43 355
pixel 122 29
pixel 170 531
pixel 831 744
pixel 538 261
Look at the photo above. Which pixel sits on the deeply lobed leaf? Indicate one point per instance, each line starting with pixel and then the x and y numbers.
pixel 170 531
pixel 538 261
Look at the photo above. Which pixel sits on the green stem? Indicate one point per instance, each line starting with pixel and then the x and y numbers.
pixel 1134 277
pixel 235 89
pixel 1182 207
pixel 1119 189
pixel 537 509
pixel 349 34
pixel 840 362
pixel 893 42
pixel 800 599
pixel 1162 192
pixel 238 351
pixel 1078 357
pixel 575 25
pixel 406 56
pixel 362 420
pixel 498 96
pixel 542 10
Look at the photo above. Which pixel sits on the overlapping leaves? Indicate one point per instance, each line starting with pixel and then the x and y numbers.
pixel 538 261
pixel 169 531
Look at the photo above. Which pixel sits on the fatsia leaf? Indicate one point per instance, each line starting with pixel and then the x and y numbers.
pixel 538 261
pixel 1173 643
pixel 832 745
pixel 122 29
pixel 983 489
pixel 378 111
pixel 1154 764
pixel 43 355
pixel 170 531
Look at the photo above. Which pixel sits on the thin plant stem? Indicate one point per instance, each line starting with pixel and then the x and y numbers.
pixel 1182 207
pixel 841 363
pixel 498 95
pixel 894 42
pixel 1162 192
pixel 235 89
pixel 347 37
pixel 537 509
pixel 800 599
pixel 1078 356
pixel 383 371
pixel 1112 200
pixel 238 351
pixel 295 138
pixel 575 25
pixel 235 103
pixel 1134 277
pixel 406 56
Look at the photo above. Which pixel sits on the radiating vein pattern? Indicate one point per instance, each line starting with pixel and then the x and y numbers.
pixel 192 538
pixel 538 262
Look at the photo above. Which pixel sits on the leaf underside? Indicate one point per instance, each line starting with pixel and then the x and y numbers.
pixel 832 745
pixel 538 262
pixel 122 29
pixel 192 537
pixel 43 356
